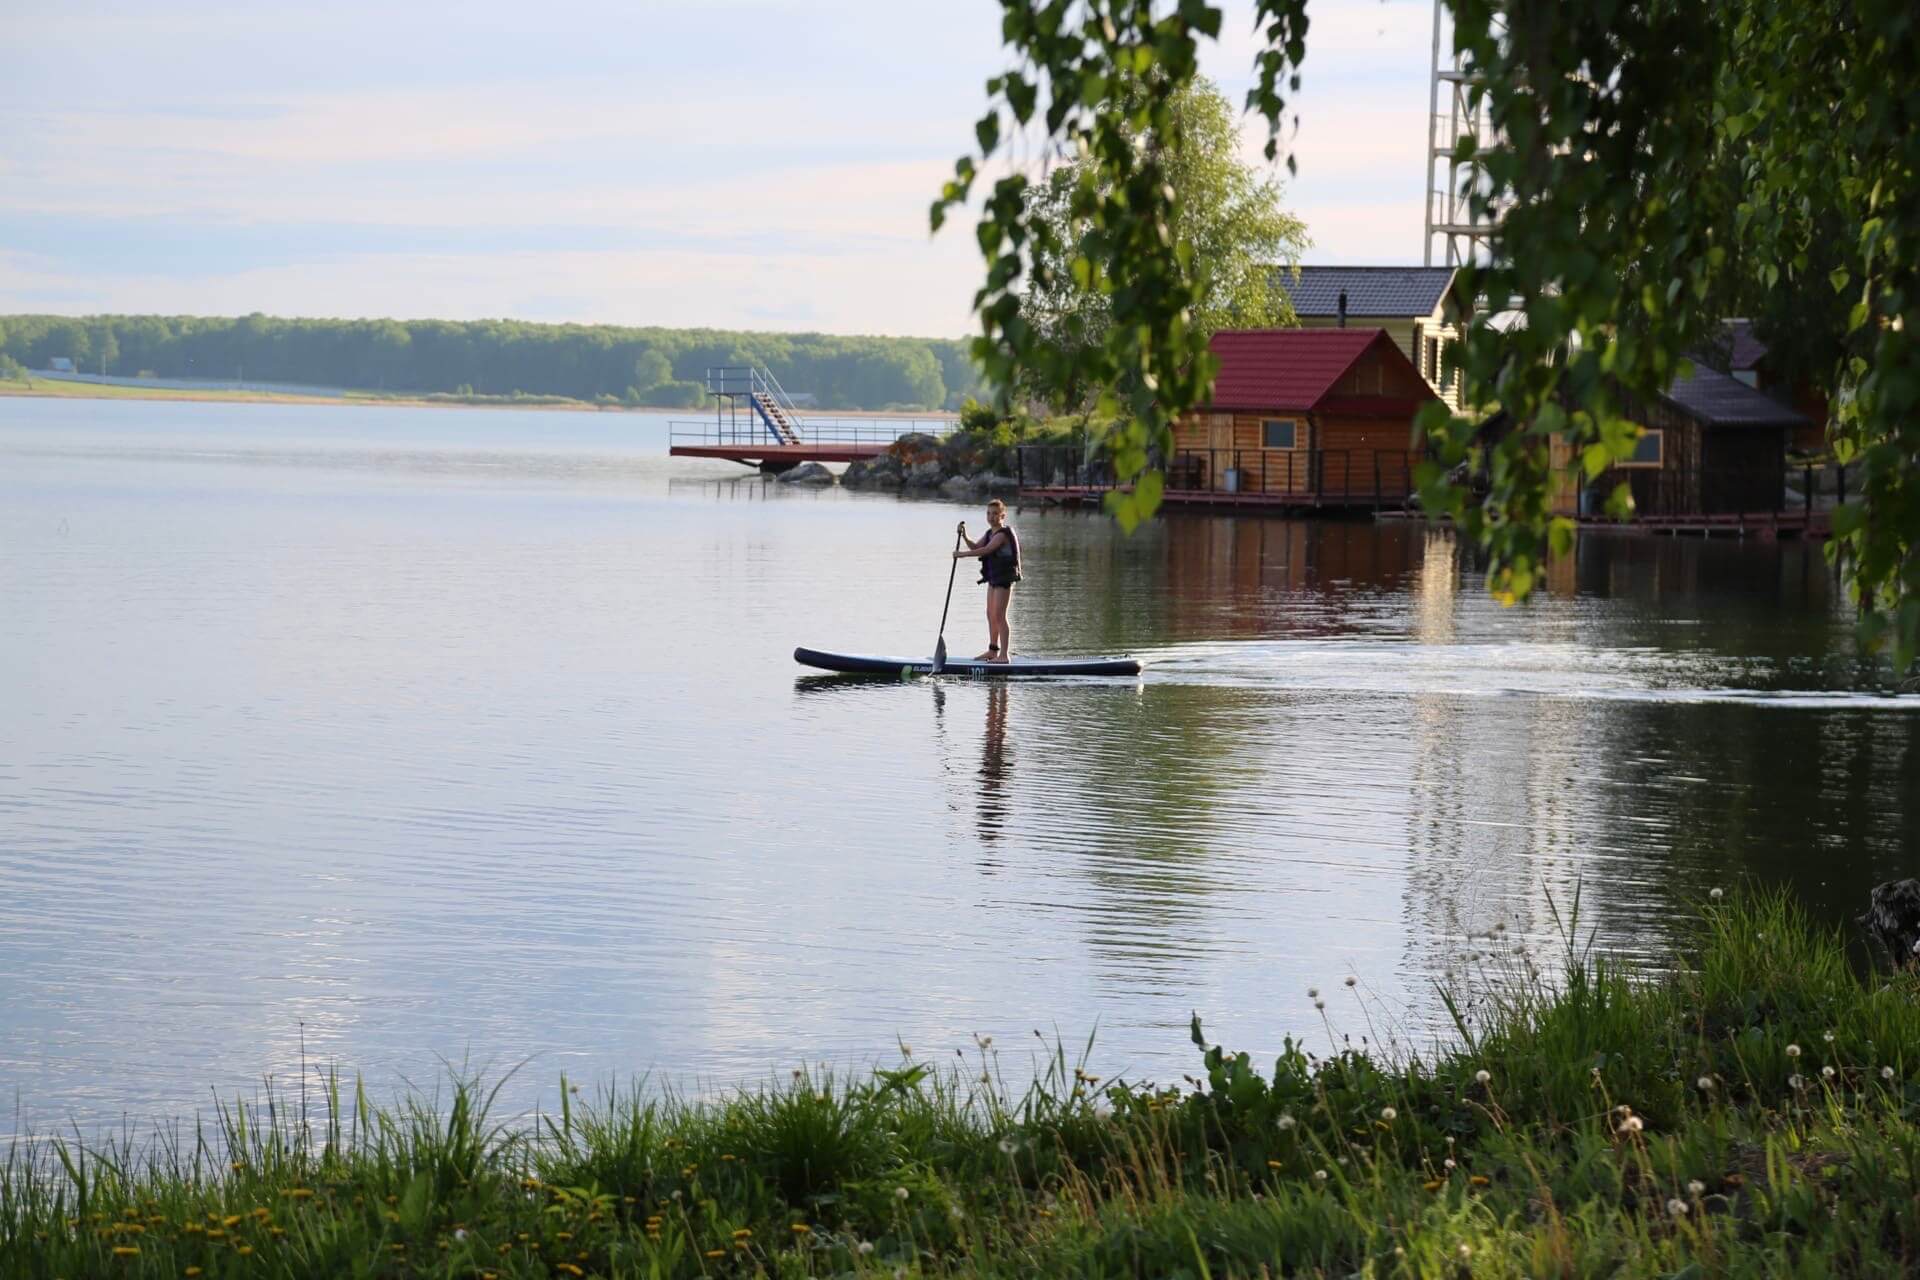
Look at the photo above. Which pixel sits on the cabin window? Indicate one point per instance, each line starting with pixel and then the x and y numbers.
pixel 1650 450
pixel 1277 433
pixel 1433 359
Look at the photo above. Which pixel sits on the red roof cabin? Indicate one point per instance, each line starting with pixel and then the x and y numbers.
pixel 1306 417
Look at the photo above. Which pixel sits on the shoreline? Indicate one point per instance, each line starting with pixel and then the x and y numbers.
pixel 51 389
pixel 1749 1107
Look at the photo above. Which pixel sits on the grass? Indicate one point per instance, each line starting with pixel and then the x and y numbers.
pixel 1750 1111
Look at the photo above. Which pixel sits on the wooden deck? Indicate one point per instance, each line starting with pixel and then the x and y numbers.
pixel 1754 524
pixel 778 457
pixel 1277 501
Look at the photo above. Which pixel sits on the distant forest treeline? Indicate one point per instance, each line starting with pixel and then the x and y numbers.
pixel 663 367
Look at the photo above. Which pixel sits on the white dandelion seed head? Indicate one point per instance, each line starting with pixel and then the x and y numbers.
pixel 1886 1073
pixel 1696 1188
pixel 1008 1146
pixel 1705 1082
pixel 1827 1072
pixel 1285 1122
pixel 459 1233
pixel 1466 1251
pixel 1797 1080
pixel 1793 1051
pixel 866 1247
pixel 1632 1124
pixel 1448 1163
pixel 899 1193
pixel 1677 1207
pixel 1319 1175
pixel 1389 1114
pixel 1482 1077
pixel 1717 894
pixel 1827 1036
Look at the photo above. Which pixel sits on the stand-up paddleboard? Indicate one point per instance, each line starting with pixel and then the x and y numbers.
pixel 858 664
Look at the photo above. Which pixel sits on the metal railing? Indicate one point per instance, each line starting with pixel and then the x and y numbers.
pixel 1681 492
pixel 747 430
pixel 1342 477
pixel 729 383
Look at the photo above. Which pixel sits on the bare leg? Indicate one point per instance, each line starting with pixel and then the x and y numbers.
pixel 993 638
pixel 998 598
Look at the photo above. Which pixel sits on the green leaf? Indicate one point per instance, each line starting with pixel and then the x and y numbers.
pixel 987 132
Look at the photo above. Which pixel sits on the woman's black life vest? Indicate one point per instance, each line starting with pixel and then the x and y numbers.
pixel 1001 567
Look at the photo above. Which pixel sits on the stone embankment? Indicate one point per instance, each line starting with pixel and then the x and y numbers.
pixel 958 466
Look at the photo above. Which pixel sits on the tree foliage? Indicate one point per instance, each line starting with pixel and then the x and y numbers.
pixel 664 367
pixel 1659 161
pixel 1225 209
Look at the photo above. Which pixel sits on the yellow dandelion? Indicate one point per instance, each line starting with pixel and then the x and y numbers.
pixel 800 1228
pixel 1477 1180
pixel 744 1233
pixel 191 1272
pixel 244 1250
pixel 563 1235
pixel 728 1156
pixel 125 1251
pixel 1435 1185
pixel 716 1253
pixel 306 1193
pixel 231 1220
pixel 1273 1164
pixel 569 1268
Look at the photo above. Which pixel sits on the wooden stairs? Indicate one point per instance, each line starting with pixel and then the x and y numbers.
pixel 778 420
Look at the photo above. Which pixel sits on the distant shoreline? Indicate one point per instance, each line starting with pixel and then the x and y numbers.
pixel 49 389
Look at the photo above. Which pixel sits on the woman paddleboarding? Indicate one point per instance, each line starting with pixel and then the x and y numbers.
pixel 998 551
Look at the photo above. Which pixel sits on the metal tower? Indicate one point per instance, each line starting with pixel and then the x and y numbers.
pixel 1461 235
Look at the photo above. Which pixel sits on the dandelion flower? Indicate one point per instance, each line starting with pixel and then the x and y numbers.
pixel 1286 1122
pixel 1466 1251
pixel 125 1251
pixel 1008 1146
pixel 1313 993
pixel 1448 1163
pixel 1705 1083
pixel 1389 1114
pixel 1717 894
pixel 1632 1124
pixel 716 1253
pixel 1793 1051
pixel 1319 1004
pixel 899 1193
pixel 1827 1072
pixel 1696 1188
pixel 1827 1036
pixel 1677 1207
pixel 1886 1073
pixel 1797 1080
pixel 1482 1077
pixel 1351 980
pixel 1319 1175
pixel 800 1228
pixel 866 1247
pixel 1477 1181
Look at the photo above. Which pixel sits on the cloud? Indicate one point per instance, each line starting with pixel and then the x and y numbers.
pixel 358 158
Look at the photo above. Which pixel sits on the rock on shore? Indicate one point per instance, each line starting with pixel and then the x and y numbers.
pixel 955 468
pixel 812 473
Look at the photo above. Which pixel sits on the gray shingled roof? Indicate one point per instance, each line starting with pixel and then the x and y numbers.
pixel 1720 400
pixel 1371 291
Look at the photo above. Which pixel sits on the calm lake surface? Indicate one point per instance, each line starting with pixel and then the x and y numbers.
pixel 425 736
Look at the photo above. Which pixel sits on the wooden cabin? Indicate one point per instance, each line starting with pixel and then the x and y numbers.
pixel 1713 446
pixel 1746 359
pixel 1321 417
pixel 1423 309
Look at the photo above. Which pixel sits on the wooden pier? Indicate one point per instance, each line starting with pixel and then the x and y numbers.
pixel 756 424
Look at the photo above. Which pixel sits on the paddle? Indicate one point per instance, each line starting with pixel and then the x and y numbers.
pixel 940 645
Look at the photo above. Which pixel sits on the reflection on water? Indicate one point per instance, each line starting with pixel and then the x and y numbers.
pixel 476 735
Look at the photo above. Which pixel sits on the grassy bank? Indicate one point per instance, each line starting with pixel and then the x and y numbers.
pixel 1751 1113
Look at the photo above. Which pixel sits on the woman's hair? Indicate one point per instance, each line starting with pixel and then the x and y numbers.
pixel 997 505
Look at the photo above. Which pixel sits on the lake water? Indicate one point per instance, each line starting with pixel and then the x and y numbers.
pixel 411 736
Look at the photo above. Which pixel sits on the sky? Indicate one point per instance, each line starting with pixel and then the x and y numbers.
pixel 747 164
